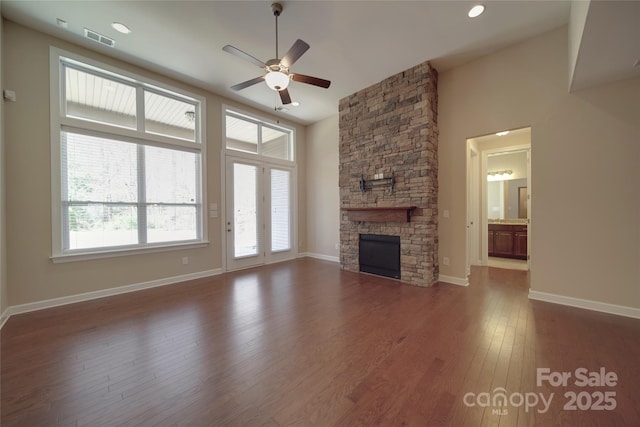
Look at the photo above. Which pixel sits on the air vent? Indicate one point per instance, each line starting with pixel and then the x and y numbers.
pixel 96 37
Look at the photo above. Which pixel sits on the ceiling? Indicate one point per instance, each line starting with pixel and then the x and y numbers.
pixel 353 43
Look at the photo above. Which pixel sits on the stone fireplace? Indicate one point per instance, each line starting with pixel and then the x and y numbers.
pixel 389 159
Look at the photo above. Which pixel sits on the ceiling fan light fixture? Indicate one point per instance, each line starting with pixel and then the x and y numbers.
pixel 277 80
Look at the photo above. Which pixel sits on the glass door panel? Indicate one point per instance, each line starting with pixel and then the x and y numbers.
pixel 280 210
pixel 244 216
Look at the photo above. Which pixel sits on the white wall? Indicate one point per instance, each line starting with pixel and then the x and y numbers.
pixel 323 198
pixel 585 149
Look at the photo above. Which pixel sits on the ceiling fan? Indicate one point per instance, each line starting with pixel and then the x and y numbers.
pixel 278 74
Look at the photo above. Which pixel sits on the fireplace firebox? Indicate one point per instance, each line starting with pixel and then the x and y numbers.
pixel 380 255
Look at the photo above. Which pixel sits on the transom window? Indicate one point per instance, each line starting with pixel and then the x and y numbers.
pixel 127 161
pixel 249 135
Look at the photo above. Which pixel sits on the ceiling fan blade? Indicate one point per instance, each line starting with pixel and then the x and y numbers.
pixel 248 83
pixel 285 97
pixel 296 51
pixel 311 80
pixel 244 55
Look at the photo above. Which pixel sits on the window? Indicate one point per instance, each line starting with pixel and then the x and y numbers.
pixel 250 135
pixel 127 163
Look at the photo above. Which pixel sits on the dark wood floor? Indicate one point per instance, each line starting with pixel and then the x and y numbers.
pixel 304 343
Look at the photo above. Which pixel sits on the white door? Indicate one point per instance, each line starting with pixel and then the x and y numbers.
pixel 244 214
pixel 529 209
pixel 259 216
pixel 280 213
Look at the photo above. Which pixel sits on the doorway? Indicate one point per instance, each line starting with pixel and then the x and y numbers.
pixel 473 207
pixel 259 215
pixel 499 200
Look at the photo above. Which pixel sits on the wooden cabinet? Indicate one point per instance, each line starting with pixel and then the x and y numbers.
pixel 491 239
pixel 503 243
pixel 520 244
pixel 508 240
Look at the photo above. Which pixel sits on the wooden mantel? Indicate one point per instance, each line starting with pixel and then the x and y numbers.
pixel 380 214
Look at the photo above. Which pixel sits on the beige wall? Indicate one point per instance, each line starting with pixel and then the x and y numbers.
pixel 323 198
pixel 3 253
pixel 585 149
pixel 31 276
pixel 577 21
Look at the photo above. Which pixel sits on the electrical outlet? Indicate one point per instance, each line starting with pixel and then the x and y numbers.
pixel 445 260
pixel 185 260
pixel 337 246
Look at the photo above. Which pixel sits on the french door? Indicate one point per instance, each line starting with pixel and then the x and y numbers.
pixel 259 216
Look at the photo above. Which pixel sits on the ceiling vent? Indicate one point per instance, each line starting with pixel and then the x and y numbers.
pixel 92 35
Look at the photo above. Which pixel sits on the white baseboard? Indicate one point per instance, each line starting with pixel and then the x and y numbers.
pixel 453 280
pixel 319 256
pixel 55 302
pixel 619 310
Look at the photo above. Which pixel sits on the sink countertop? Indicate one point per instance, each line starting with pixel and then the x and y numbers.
pixel 508 222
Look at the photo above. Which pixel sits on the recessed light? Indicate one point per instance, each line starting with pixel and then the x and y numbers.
pixel 295 104
pixel 121 28
pixel 476 11
pixel 503 133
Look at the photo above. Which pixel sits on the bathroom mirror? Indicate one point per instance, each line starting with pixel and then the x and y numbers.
pixel 507 186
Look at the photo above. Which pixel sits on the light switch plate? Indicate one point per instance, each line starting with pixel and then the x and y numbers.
pixel 9 95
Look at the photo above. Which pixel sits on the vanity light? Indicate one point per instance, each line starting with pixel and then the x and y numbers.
pixel 476 11
pixel 499 175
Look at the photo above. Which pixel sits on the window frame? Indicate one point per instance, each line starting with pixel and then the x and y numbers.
pixel 260 123
pixel 59 59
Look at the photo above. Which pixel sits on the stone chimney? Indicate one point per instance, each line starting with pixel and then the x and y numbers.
pixel 391 129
